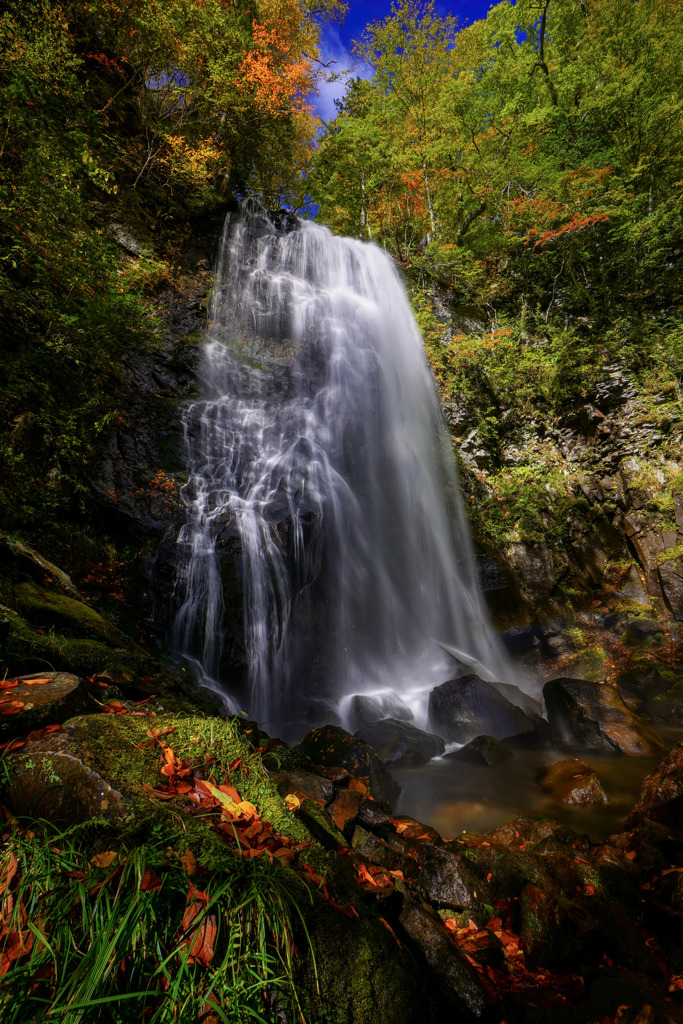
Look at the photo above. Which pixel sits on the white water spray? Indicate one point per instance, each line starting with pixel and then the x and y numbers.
pixel 318 440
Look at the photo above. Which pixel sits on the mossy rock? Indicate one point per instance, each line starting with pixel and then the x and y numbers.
pixel 361 975
pixel 115 749
pixel 30 649
pixel 45 606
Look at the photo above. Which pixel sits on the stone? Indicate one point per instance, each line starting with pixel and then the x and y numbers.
pixel 535 566
pixel 641 630
pixel 661 795
pixel 400 743
pixel 427 931
pixel 591 557
pixel 14 554
pixel 678 504
pixel 304 785
pixel 333 747
pixel 40 699
pixel 466 707
pixel 595 716
pixel 344 809
pixel 484 750
pixel 632 587
pixel 392 854
pixel 572 782
pixel 320 825
pixel 60 788
pixel 372 815
pixel 367 708
pixel 447 879
pixel 671 580
pixel 648 547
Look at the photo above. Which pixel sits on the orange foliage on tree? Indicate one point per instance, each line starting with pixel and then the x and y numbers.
pixel 277 71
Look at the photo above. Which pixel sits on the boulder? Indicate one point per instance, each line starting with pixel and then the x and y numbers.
pixel 365 709
pixel 448 879
pixel 572 782
pixel 304 785
pixel 32 701
pixel 661 795
pixel 400 743
pixel 484 750
pixel 427 932
pixel 595 716
pixel 466 707
pixel 333 747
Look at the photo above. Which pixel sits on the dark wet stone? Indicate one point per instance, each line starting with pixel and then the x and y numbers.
pixel 304 785
pixel 572 782
pixel 484 750
pixel 661 796
pixel 400 743
pixel 595 716
pixel 344 809
pixel 372 815
pixel 333 747
pixel 448 880
pixel 365 709
pixel 392 854
pixel 427 932
pixel 468 706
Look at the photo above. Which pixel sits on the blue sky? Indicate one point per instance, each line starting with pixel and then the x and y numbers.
pixel 338 41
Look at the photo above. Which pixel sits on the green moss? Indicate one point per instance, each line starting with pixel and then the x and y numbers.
pixel 672 555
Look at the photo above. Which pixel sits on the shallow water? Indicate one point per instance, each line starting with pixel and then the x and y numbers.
pixel 453 796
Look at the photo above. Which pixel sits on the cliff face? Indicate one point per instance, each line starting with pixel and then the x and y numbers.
pixel 578 502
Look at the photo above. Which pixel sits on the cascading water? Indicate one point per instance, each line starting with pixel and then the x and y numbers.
pixel 317 438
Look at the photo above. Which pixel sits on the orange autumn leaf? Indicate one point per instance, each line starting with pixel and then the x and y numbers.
pixel 199 945
pixel 293 802
pixel 103 860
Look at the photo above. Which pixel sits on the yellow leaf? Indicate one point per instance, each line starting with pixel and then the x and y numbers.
pixel 293 802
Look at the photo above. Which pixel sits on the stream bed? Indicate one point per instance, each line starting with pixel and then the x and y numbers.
pixel 454 796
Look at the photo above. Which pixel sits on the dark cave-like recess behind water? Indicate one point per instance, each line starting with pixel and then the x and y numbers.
pixel 318 442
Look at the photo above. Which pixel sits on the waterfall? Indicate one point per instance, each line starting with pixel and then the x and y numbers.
pixel 317 439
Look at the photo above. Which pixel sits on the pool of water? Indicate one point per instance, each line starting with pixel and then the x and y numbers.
pixel 454 796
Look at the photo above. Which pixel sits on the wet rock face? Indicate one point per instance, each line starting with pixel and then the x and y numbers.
pixel 466 707
pixel 671 580
pixel 333 747
pixel 572 782
pixel 365 709
pixel 595 716
pixel 400 743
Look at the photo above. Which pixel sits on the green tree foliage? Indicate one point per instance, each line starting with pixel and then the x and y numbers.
pixel 532 160
pixel 162 110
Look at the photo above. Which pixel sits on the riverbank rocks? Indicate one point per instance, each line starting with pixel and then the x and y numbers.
pixel 468 706
pixel 400 743
pixel 594 715
pixel 572 782
pixel 661 796
pixel 481 750
pixel 334 747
